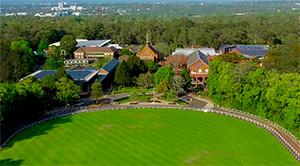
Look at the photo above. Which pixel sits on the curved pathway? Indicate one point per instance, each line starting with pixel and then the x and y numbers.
pixel 286 138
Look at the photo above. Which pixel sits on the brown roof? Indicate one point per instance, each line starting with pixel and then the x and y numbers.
pixel 95 49
pixel 152 48
pixel 148 47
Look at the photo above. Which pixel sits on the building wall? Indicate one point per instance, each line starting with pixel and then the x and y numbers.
pixel 199 72
pixel 147 54
pixel 93 55
pixel 79 55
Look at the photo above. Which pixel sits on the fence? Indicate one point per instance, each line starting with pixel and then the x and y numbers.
pixel 286 138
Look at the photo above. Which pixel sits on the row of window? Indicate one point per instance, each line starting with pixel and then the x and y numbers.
pixel 72 62
pixel 200 71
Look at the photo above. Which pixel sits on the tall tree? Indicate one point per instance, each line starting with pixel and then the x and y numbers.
pixel 145 80
pixel 177 84
pixel 21 60
pixel 67 90
pixel 68 44
pixel 136 66
pixel 122 75
pixel 163 73
pixel 97 91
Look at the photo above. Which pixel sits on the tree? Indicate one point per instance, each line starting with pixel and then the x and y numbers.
pixel 52 63
pixel 50 35
pixel 67 90
pixel 177 84
pixel 55 59
pixel 136 66
pixel 21 60
pixel 68 44
pixel 145 80
pixel 163 73
pixel 163 48
pixel 187 80
pixel 122 75
pixel 97 91
pixel 49 87
pixel 284 58
pixel 178 62
pixel 152 66
pixel 162 87
pixel 61 72
pixel 41 47
pixel 182 38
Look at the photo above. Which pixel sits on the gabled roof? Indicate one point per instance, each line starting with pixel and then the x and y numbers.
pixel 209 51
pixel 188 51
pixel 184 51
pixel 95 49
pixel 111 65
pixel 251 51
pixel 101 77
pixel 148 46
pixel 92 43
pixel 248 51
pixel 40 74
pixel 77 40
pixel 76 75
pixel 134 48
pixel 152 48
pixel 195 56
pixel 82 75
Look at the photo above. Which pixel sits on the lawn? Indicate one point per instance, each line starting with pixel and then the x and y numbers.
pixel 145 137
pixel 137 98
pixel 131 90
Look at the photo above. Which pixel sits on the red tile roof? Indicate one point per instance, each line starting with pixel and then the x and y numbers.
pixel 95 49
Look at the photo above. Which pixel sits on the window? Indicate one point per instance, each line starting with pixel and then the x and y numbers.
pixel 206 70
pixel 200 70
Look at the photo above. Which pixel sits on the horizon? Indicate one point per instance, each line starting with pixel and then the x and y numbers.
pixel 19 2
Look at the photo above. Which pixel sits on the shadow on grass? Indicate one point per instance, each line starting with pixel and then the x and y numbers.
pixel 38 130
pixel 10 162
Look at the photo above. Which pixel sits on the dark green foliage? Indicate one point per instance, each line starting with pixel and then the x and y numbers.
pixel 41 47
pixel 163 48
pixel 145 80
pixel 152 66
pixel 67 90
pixel 284 58
pixel 165 33
pixel 125 52
pixel 231 57
pixel 268 94
pixel 20 102
pixel 68 44
pixel 187 80
pixel 97 91
pixel 18 62
pixel 136 66
pixel 52 63
pixel 122 75
pixel 31 98
pixel 60 73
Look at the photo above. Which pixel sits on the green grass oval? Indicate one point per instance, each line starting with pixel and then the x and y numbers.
pixel 145 137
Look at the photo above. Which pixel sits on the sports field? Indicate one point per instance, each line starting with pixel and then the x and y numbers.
pixel 145 137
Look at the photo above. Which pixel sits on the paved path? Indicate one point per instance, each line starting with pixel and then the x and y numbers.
pixel 287 139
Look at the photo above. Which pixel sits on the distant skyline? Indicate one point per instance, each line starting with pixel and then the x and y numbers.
pixel 120 1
